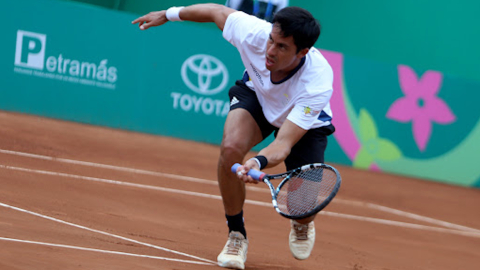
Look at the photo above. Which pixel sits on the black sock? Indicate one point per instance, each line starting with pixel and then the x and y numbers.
pixel 235 223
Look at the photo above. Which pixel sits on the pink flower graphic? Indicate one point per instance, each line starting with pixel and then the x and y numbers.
pixel 420 104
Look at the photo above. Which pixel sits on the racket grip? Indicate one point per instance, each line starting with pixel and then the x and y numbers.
pixel 257 175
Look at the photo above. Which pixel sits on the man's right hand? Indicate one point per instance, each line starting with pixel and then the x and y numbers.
pixel 243 170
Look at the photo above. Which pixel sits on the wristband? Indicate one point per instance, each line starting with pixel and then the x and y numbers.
pixel 262 161
pixel 173 14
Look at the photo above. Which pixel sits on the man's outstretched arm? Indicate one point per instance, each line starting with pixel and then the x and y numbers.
pixel 196 13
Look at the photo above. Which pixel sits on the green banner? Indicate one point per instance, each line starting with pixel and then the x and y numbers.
pixel 159 81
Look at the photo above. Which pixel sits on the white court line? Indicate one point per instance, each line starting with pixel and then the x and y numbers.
pixel 191 193
pixel 111 167
pixel 102 251
pixel 410 215
pixel 403 224
pixel 102 232
pixel 203 181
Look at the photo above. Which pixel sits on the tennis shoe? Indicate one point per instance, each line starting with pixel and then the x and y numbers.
pixel 234 254
pixel 301 240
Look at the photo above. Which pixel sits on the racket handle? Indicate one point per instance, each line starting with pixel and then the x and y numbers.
pixel 257 175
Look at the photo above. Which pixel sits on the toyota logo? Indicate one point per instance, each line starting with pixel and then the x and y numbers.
pixel 204 74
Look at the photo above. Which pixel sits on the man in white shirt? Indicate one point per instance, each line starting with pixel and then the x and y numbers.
pixel 285 90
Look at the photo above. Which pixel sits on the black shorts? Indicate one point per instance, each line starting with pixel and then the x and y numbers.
pixel 310 148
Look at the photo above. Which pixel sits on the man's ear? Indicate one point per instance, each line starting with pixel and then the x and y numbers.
pixel 302 52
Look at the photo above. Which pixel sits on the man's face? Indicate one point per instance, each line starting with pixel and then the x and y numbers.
pixel 281 55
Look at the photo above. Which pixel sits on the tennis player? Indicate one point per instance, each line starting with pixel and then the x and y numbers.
pixel 285 90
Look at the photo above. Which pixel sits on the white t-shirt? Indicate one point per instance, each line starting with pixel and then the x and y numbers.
pixel 303 98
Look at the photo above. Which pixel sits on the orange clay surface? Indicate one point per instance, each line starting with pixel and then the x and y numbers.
pixel 75 196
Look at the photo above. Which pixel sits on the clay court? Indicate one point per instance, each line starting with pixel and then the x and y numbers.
pixel 75 196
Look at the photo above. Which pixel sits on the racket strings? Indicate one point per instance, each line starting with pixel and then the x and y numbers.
pixel 306 191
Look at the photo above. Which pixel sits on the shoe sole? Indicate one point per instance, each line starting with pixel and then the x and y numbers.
pixel 232 264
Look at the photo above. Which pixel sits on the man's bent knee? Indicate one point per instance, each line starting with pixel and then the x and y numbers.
pixel 231 153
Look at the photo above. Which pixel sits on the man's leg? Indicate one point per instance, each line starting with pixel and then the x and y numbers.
pixel 310 149
pixel 241 133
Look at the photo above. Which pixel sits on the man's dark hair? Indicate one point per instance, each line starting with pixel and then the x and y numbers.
pixel 299 23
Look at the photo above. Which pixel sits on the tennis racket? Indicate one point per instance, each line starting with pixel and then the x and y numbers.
pixel 303 192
